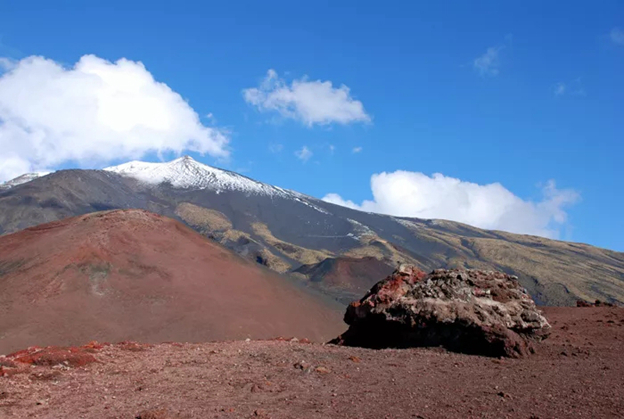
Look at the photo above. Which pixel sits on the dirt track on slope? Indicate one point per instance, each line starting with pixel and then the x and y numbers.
pixel 577 373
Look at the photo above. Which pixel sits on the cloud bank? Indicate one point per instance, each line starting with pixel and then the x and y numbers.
pixel 310 102
pixel 92 113
pixel 491 206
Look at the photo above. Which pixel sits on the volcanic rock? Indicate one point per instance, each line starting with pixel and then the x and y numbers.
pixel 469 311
pixel 597 303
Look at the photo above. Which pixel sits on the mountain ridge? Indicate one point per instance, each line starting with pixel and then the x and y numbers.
pixel 285 230
pixel 186 172
pixel 20 180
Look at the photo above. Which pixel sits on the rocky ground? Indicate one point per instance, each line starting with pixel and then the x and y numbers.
pixel 577 372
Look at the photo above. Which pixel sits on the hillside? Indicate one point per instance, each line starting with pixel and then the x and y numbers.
pixel 132 274
pixel 292 233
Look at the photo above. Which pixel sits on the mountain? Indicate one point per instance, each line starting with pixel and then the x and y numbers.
pixel 134 275
pixel 25 178
pixel 308 238
pixel 187 173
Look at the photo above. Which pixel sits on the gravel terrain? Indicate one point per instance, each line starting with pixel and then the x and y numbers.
pixel 577 373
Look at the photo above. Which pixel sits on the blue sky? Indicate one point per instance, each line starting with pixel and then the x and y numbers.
pixel 496 92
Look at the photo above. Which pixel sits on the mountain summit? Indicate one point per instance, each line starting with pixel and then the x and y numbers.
pixel 185 172
pixel 25 178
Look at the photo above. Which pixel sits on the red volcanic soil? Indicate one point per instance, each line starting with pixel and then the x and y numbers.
pixel 357 275
pixel 577 373
pixel 134 275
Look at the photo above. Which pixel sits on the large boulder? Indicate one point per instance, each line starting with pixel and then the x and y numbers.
pixel 469 311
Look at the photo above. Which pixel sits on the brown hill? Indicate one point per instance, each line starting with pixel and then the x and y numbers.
pixel 345 277
pixel 131 274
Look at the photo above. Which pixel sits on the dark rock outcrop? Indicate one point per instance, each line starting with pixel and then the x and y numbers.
pixel 470 311
pixel 597 303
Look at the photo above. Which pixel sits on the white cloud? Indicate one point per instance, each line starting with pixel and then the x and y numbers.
pixel 617 36
pixel 334 198
pixel 575 88
pixel 276 147
pixel 357 149
pixel 92 113
pixel 332 148
pixel 304 154
pixel 488 64
pixel 491 206
pixel 311 102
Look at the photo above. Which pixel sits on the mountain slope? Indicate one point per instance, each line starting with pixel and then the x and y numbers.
pixel 345 276
pixel 134 275
pixel 25 178
pixel 285 230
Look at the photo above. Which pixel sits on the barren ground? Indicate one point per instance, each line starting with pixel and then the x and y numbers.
pixel 577 373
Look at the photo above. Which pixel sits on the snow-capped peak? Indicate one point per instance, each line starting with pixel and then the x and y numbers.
pixel 185 172
pixel 25 178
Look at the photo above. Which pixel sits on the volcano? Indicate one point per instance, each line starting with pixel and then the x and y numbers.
pixel 134 275
pixel 339 251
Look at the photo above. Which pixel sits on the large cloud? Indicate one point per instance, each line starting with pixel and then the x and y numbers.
pixel 489 206
pixel 92 113
pixel 311 102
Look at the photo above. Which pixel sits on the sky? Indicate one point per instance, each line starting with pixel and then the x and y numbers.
pixel 503 115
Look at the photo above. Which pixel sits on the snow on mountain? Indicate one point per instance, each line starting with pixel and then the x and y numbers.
pixel 185 172
pixel 25 178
